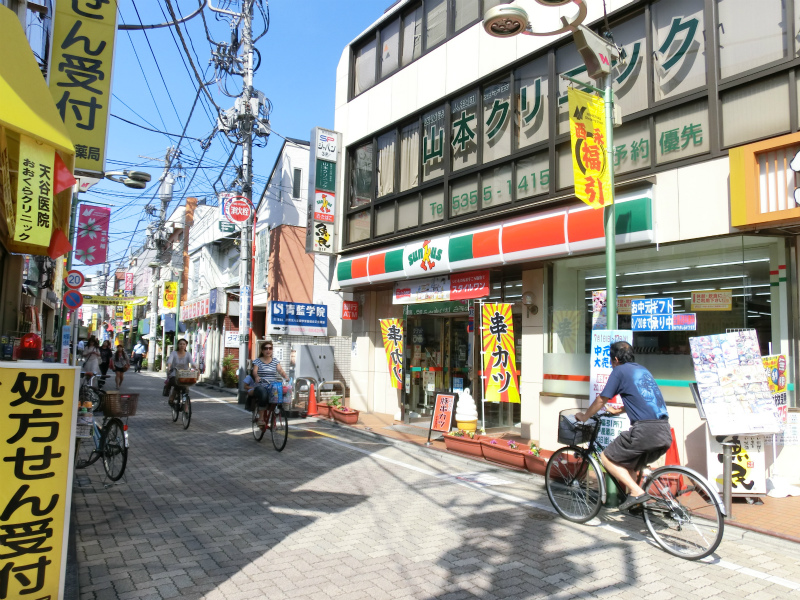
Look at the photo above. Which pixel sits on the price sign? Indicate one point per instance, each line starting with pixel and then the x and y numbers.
pixel 74 280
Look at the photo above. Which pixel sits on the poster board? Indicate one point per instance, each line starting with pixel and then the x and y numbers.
pixel 732 384
pixel 749 463
pixel 599 371
pixel 443 412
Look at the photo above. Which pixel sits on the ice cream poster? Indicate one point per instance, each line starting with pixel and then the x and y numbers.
pixel 392 331
pixel 499 354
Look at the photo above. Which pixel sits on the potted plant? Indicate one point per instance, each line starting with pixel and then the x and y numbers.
pixel 534 461
pixel 464 442
pixel 324 407
pixel 505 452
pixel 343 414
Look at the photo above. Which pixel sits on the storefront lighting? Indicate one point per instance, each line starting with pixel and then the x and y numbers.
pixel 736 262
pixel 713 278
pixel 657 271
pixel 656 283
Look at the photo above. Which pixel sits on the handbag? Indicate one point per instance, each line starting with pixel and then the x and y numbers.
pixel 165 391
pixel 126 367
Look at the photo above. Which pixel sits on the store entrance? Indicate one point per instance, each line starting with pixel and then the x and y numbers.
pixel 439 358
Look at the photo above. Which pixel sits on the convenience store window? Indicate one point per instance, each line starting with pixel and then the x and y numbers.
pixel 739 267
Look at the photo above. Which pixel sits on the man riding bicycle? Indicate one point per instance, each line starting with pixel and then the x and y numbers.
pixel 649 437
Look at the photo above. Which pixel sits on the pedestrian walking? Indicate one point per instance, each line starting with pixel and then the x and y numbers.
pixel 121 364
pixel 105 357
pixel 139 353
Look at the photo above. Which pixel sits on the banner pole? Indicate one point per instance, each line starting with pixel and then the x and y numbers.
pixel 481 371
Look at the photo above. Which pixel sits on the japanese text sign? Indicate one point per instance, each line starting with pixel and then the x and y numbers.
pixel 713 300
pixel 501 379
pixel 127 313
pixel 599 372
pixel 392 332
pixel 114 300
pixel 34 210
pixel 170 294
pixel 38 418
pixel 321 210
pixel 299 318
pixel 748 463
pixel 129 281
pixel 349 310
pixel 775 368
pixel 443 412
pixel 587 130
pixel 684 322
pixel 624 304
pixel 652 314
pixel 91 244
pixel 459 286
pixel 80 75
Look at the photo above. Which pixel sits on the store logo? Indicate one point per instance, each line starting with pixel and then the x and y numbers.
pixel 427 254
pixel 323 203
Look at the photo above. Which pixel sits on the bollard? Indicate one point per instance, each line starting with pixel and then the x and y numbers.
pixel 727 475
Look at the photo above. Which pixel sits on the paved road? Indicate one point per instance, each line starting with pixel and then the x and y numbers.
pixel 210 513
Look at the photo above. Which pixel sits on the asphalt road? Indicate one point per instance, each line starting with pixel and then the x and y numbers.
pixel 209 512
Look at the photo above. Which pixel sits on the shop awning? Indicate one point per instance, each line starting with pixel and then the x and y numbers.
pixel 28 109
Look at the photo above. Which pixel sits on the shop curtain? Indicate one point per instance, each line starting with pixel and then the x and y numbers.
pixel 386 156
pixel 365 68
pixel 409 157
pixel 412 36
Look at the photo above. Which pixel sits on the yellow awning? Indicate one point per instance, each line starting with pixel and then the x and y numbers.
pixel 26 106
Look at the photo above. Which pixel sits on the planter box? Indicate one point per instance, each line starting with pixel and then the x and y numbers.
pixel 323 410
pixel 537 464
pixel 464 445
pixel 501 453
pixel 348 418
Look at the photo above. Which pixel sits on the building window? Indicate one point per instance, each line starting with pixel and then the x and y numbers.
pixel 296 182
pixel 497 187
pixel 530 89
pixel 678 47
pixel 744 117
pixel 409 157
pixel 631 78
pixel 390 48
pixel 533 175
pixel 746 42
pixel 682 132
pixel 497 117
pixel 387 143
pixel 464 196
pixel 365 67
pixel 384 219
pixel 358 227
pixel 361 176
pixel 464 13
pixel 464 131
pixel 632 147
pixel 432 205
pixel 433 144
pixel 412 36
pixel 262 257
pixel 435 22
pixel 408 213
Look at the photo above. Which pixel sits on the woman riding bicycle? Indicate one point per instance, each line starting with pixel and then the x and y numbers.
pixel 265 371
pixel 180 359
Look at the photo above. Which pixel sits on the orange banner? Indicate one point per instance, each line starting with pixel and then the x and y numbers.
pixel 392 331
pixel 499 354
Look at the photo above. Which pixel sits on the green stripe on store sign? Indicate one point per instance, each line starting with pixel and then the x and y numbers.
pixel 634 215
pixel 461 248
pixel 344 271
pixel 394 261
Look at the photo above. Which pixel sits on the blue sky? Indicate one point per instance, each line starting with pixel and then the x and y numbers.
pixel 299 53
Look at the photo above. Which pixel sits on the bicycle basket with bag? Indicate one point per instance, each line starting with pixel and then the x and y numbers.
pixel 572 432
pixel 186 378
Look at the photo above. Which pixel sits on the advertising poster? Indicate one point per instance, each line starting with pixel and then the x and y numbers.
pixel 38 418
pixel 652 314
pixel 733 385
pixel 716 300
pixel 599 371
pixel 91 243
pixel 392 332
pixel 587 129
pixel 748 464
pixel 127 313
pixel 775 369
pixel 170 294
pixel 443 412
pixel 599 318
pixel 624 304
pixel 460 286
pixel 499 354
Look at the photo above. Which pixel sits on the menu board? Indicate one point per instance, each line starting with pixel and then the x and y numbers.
pixel 733 385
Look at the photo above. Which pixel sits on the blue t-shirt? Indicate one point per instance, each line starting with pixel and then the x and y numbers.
pixel 640 394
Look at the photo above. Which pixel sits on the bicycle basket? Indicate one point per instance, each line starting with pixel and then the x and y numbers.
pixel 186 377
pixel 120 405
pixel 572 432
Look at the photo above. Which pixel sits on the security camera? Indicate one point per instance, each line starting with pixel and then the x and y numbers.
pixel 505 20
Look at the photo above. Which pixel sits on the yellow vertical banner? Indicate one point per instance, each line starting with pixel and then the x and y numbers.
pixel 34 208
pixel 499 354
pixel 80 75
pixel 6 197
pixel 37 418
pixel 392 332
pixel 170 294
pixel 587 128
pixel 127 313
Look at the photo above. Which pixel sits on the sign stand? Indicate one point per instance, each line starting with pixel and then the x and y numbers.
pixel 442 415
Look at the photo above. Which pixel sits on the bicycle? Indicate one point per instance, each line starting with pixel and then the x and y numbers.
pixel 276 421
pixel 181 404
pixel 111 438
pixel 684 513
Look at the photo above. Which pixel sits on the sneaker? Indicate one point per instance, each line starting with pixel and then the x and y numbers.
pixel 632 501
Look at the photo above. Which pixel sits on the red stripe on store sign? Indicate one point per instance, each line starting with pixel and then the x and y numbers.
pixel 567 377
pixel 773 272
pixel 781 266
pixel 534 234
pixel 486 243
pixel 358 268
pixel 377 264
pixel 585 225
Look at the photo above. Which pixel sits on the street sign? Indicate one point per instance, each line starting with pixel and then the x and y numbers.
pixel 73 299
pixel 226 227
pixel 74 280
pixel 238 210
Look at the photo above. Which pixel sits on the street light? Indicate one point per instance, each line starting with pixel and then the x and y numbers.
pixel 133 179
pixel 506 20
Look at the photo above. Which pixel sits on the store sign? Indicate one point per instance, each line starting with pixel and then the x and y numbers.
pixel 37 416
pixel 349 311
pixel 461 286
pixel 80 77
pixel 748 463
pixel 443 412
pixel 300 318
pixel 712 301
pixel 438 308
pixel 652 314
pixel 34 210
pixel 392 334
pixel 114 300
pixel 216 301
pixel 231 338
pixel 127 313
pixel 226 227
pixel 775 368
pixel 321 209
pixel 170 299
pixel 499 354
pixel 224 199
pixel 587 127
pixel 599 371
pixel 429 256
pixel 684 322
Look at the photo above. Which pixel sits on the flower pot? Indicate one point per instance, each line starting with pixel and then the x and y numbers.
pixel 324 410
pixel 537 464
pixel 501 453
pixel 464 445
pixel 349 417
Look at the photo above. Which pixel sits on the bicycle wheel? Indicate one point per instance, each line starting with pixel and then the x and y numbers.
pixel 684 514
pixel 115 453
pixel 280 428
pixel 176 407
pixel 575 484
pixel 186 413
pixel 258 432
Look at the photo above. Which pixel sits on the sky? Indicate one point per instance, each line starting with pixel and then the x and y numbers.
pixel 153 86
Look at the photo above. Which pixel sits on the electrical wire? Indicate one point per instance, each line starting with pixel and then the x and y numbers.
pixel 156 130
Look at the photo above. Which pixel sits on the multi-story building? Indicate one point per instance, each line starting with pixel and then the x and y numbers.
pixel 458 142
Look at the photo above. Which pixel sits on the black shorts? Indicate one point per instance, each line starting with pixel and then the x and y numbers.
pixel 643 443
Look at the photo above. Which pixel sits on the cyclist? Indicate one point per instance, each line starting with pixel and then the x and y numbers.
pixel 265 370
pixel 179 359
pixel 649 437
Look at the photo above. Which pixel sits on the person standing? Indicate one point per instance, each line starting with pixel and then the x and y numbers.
pixel 105 357
pixel 121 364
pixel 91 356
pixel 139 352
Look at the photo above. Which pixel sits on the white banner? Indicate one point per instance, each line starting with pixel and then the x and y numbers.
pixel 599 371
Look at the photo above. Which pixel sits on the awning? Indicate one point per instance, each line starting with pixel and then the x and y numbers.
pixel 27 108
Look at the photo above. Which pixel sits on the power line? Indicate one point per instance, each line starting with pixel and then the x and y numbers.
pixel 188 137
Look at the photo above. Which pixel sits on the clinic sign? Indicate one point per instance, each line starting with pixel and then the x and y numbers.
pixel 322 176
pixel 299 318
